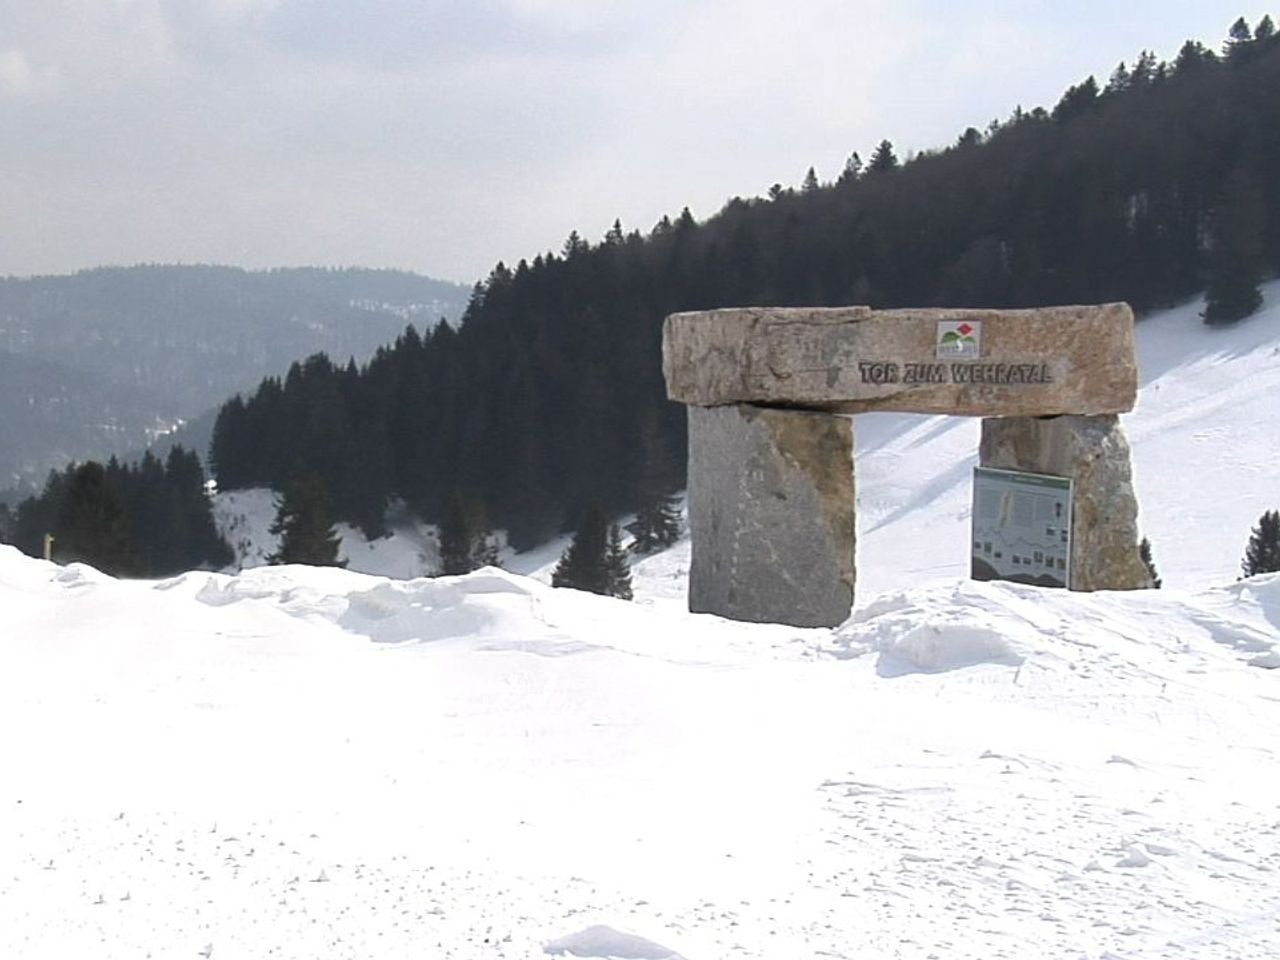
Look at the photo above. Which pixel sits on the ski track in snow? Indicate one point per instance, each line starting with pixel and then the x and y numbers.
pixel 300 763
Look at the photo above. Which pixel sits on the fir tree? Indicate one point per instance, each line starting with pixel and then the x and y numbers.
pixel 304 525
pixel 467 542
pixel 657 525
pixel 852 169
pixel 810 181
pixel 1120 80
pixel 1236 260
pixel 1077 101
pixel 1262 554
pixel 584 566
pixel 92 526
pixel 455 541
pixel 883 160
pixel 1144 551
pixel 484 545
pixel 1239 36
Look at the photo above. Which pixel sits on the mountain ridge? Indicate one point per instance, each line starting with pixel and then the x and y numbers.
pixel 185 336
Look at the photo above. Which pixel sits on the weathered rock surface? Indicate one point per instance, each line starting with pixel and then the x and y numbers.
pixel 771 511
pixel 1093 452
pixel 1040 362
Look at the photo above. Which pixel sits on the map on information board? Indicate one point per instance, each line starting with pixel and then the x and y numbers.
pixel 1021 527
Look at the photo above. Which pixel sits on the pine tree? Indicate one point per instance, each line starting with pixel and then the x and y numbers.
pixel 92 526
pixel 810 181
pixel 303 523
pixel 852 169
pixel 1236 260
pixel 884 160
pixel 467 542
pixel 617 570
pixel 1262 554
pixel 1077 101
pixel 1238 38
pixel 1144 70
pixel 583 565
pixel 455 541
pixel 657 523
pixel 1144 551
pixel 484 548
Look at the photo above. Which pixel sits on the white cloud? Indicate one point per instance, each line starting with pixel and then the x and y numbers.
pixel 445 136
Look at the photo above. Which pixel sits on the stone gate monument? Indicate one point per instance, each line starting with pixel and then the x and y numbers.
pixel 771 474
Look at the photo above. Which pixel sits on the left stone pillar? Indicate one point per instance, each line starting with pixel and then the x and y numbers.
pixel 771 512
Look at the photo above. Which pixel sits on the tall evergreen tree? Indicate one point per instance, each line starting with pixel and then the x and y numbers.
pixel 584 566
pixel 1120 82
pixel 1239 36
pixel 1262 554
pixel 455 540
pixel 92 526
pixel 657 523
pixel 1237 259
pixel 883 160
pixel 305 526
pixel 485 550
pixel 852 170
pixel 467 542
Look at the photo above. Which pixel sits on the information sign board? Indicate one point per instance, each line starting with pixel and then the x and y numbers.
pixel 1021 527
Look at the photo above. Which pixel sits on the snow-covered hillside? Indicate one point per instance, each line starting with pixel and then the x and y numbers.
pixel 301 763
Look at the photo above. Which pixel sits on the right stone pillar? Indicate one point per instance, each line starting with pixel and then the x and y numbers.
pixel 1093 452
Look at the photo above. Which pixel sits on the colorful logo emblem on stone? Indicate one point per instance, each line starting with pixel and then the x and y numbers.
pixel 959 339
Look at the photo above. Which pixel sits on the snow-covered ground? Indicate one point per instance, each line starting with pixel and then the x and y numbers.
pixel 304 763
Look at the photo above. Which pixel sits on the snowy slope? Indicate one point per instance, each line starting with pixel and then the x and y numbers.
pixel 409 550
pixel 301 763
pixel 1204 451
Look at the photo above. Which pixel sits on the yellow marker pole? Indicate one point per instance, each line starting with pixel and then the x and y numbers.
pixel 48 546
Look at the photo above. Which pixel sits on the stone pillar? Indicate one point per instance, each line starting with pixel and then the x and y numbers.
pixel 771 514
pixel 1094 453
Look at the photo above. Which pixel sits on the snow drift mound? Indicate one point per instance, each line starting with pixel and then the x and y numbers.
pixel 968 624
pixel 487 603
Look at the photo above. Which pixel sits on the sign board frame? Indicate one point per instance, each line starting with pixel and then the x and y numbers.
pixel 1021 527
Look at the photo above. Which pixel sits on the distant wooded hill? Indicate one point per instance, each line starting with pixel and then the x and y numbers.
pixel 96 363
pixel 1160 182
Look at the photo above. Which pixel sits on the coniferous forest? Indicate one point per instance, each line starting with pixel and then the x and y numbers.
pixel 148 519
pixel 1150 186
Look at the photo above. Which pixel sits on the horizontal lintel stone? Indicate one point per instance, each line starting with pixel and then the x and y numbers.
pixel 992 363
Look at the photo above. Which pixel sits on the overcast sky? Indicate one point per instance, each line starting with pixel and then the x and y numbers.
pixel 443 137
